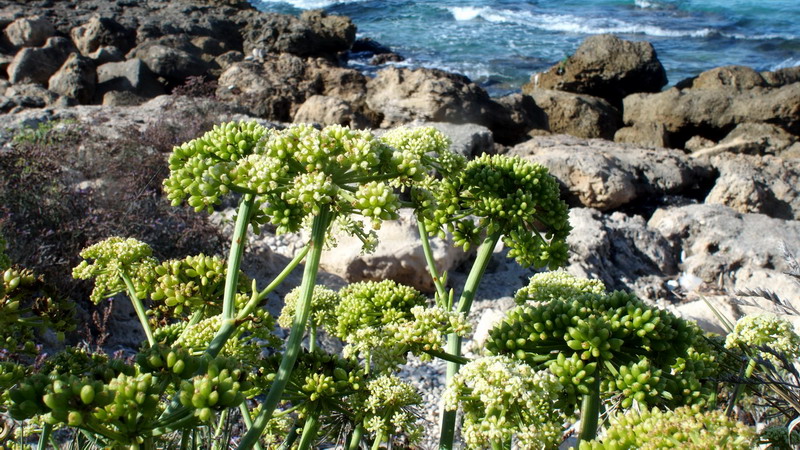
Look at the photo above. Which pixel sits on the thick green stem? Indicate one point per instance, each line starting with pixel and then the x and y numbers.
pixel 47 429
pixel 248 420
pixel 235 256
pixel 454 341
pixel 497 445
pixel 355 438
pixel 137 305
pixel 309 431
pixel 290 439
pixel 590 411
pixel 448 357
pixel 441 294
pixel 379 440
pixel 318 231
pixel 312 336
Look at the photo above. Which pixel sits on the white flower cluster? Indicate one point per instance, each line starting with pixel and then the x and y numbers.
pixel 546 286
pixel 503 398
pixel 768 330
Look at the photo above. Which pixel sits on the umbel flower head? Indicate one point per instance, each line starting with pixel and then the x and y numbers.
pixel 113 258
pixel 765 330
pixel 391 408
pixel 506 195
pixel 504 398
pixel 685 428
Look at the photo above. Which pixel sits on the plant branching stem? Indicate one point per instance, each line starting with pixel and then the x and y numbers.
pixel 318 231
pixel 454 341
pixel 139 308
pixel 47 429
pixel 355 438
pixel 441 294
pixel 235 256
pixel 309 431
pixel 590 411
pixel 379 440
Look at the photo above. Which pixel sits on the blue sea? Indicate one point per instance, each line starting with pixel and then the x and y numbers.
pixel 500 43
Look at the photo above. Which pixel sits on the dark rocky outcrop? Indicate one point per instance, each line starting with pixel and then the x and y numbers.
pixel 578 115
pixel 605 66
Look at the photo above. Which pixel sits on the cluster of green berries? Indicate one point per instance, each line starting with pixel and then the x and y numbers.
pixel 135 406
pixel 222 386
pixel 615 329
pixel 510 196
pixel 546 286
pixel 190 284
pixel 167 361
pixel 113 259
pixel 246 343
pixel 503 398
pixel 322 308
pixel 765 330
pixel 73 399
pixel 684 427
pixel 777 437
pixel 391 409
pixel 27 306
pixel 420 153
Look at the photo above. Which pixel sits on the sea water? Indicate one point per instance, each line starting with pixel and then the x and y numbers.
pixel 500 43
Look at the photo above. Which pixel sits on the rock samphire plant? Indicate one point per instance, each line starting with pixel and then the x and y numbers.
pixel 212 373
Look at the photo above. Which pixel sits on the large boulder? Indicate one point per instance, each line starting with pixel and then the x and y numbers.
pixel 605 175
pixel 605 66
pixel 128 76
pixel 517 115
pixel 578 115
pixel 327 110
pixel 174 58
pixel 102 32
pixel 714 112
pixel 620 250
pixel 756 184
pixel 727 249
pixel 75 79
pixel 401 95
pixel 38 64
pixel 29 32
pixel 736 77
pixel 399 256
pixel 313 33
pixel 751 138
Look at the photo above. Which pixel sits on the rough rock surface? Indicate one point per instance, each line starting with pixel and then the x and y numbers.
pixel 605 175
pixel 398 257
pixel 29 31
pixel 726 248
pixel 605 66
pixel 75 79
pixel 578 114
pixel 327 110
pixel 38 64
pixel 313 33
pixel 128 76
pixel 749 138
pixel 753 184
pixel 101 32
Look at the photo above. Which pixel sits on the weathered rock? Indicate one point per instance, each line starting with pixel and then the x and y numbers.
pixel 402 95
pixel 516 116
pixel 722 246
pixel 172 57
pixel 782 77
pixel 605 66
pixel 122 98
pixel 713 113
pixel 29 32
pixel 755 184
pixel 75 79
pixel 399 256
pixel 605 175
pixel 21 96
pixel 578 115
pixel 225 60
pixel 698 143
pixel 313 33
pixel 648 134
pixel 757 139
pixel 735 77
pixel 621 251
pixel 131 75
pixel 38 64
pixel 102 32
pixel 326 110
pixel 347 84
pixel 106 55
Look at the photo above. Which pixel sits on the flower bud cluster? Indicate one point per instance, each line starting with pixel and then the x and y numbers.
pixel 221 387
pixel 166 361
pixel 419 151
pixel 323 306
pixel 511 196
pixel 71 400
pixel 246 343
pixel 424 331
pixel 546 286
pixel 391 408
pixel 615 328
pixel 135 404
pixel 112 258
pixel 504 398
pixel 767 330
pixel 684 427
pixel 193 283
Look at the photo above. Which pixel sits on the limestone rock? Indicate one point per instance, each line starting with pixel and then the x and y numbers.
pixel 648 134
pixel 605 66
pixel 753 184
pixel 313 33
pixel 75 79
pixel 326 110
pixel 605 175
pixel 620 250
pixel 578 115
pixel 517 116
pixel 38 64
pixel 720 245
pixel 101 32
pixel 106 55
pixel 29 32
pixel 753 139
pixel 735 77
pixel 174 58
pixel 131 75
pixel 399 256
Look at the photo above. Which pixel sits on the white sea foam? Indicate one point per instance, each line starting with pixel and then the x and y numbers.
pixel 789 62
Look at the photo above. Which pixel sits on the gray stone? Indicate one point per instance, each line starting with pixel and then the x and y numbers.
pixel 174 58
pixel 75 79
pixel 646 134
pixel 38 64
pixel 131 75
pixel 101 32
pixel 106 55
pixel 29 32
pixel 577 114
pixel 732 77
pixel 326 110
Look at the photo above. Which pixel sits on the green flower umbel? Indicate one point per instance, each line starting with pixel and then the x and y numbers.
pixel 114 258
